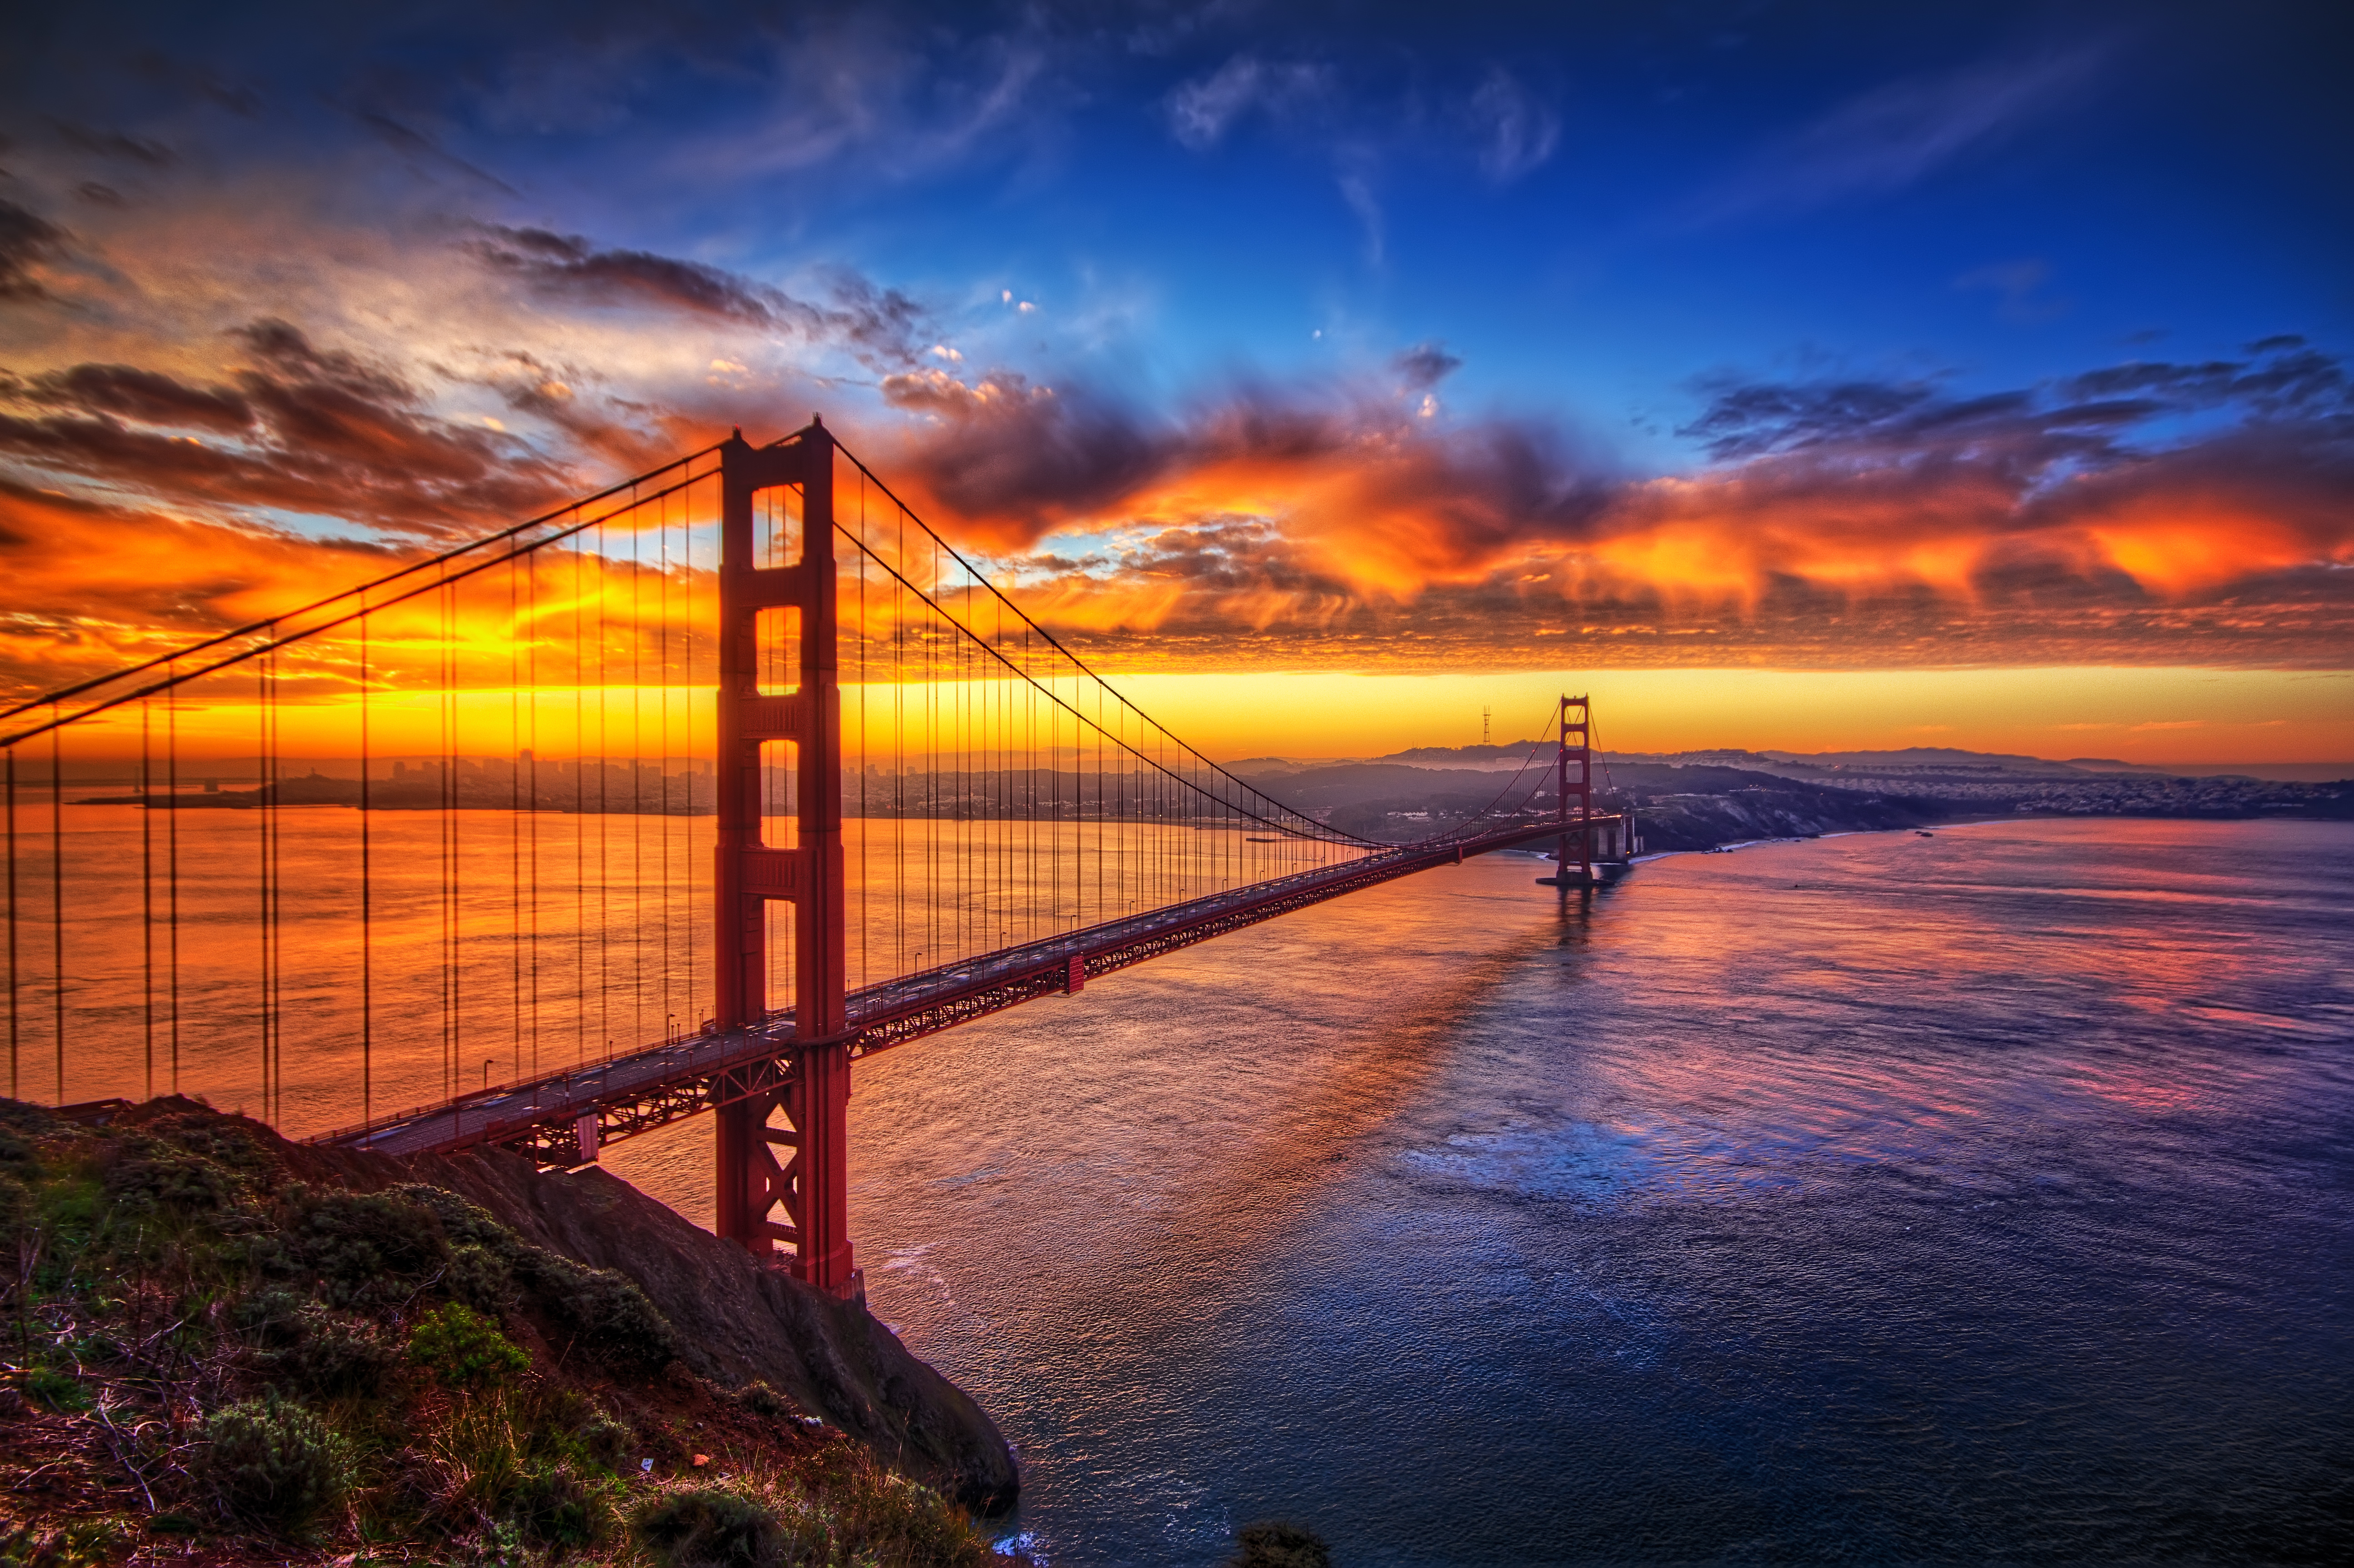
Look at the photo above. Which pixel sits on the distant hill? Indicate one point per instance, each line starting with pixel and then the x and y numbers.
pixel 1923 762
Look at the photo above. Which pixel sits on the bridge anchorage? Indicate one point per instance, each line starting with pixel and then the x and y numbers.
pixel 901 767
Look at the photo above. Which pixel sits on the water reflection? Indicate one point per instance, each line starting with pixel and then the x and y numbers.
pixel 1870 1198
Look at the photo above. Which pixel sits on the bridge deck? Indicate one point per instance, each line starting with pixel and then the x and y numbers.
pixel 646 1088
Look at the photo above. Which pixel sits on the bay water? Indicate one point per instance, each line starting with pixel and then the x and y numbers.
pixel 1881 1198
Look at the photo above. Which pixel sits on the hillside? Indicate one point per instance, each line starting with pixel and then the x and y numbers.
pixel 228 1348
pixel 1683 808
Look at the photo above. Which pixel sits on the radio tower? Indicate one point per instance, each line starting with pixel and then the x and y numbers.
pixel 1483 723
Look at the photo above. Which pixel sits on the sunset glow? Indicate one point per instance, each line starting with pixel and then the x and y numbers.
pixel 2001 442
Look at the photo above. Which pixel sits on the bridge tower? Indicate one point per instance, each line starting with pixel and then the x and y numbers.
pixel 776 609
pixel 1581 753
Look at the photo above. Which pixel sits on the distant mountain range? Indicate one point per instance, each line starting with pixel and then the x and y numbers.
pixel 1695 799
pixel 1921 762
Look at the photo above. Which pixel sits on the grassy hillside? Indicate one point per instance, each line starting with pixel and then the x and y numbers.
pixel 224 1348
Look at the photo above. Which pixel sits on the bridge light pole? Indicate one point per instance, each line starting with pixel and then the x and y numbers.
pixel 810 1082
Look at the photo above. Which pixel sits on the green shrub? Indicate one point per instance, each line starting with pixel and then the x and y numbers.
pixel 1275 1544
pixel 608 1439
pixel 761 1400
pixel 335 1355
pixel 607 1310
pixel 58 1390
pixel 460 1348
pixel 225 1143
pixel 553 1506
pixel 479 1277
pixel 364 1249
pixel 710 1527
pixel 272 1463
pixel 149 1178
pixel 272 1315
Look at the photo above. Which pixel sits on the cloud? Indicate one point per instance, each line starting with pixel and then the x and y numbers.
pixel 1202 109
pixel 301 428
pixel 422 149
pixel 1518 132
pixel 879 327
pixel 145 395
pixel 1357 190
pixel 1009 456
pixel 1899 133
pixel 568 266
pixel 114 144
pixel 1855 522
pixel 26 240
pixel 1425 366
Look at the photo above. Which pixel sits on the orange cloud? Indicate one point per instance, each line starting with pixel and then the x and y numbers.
pixel 1855 522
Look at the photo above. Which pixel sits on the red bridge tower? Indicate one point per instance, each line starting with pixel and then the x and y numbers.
pixel 1582 755
pixel 777 622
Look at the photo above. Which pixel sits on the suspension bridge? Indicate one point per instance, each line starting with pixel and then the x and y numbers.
pixel 679 799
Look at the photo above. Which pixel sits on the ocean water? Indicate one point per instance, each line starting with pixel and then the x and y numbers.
pixel 1981 1197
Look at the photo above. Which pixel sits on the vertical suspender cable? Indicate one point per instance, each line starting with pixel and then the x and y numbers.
pixel 580 823
pixel 13 1025
pixel 447 767
pixel 604 803
pixel 57 900
pixel 662 776
pixel 147 890
pixel 367 906
pixel 637 786
pixel 172 860
pixel 686 540
pixel 865 832
pixel 277 901
pixel 531 786
pixel 515 818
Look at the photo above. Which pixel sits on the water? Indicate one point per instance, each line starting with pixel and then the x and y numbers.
pixel 1879 1198
pixel 485 945
pixel 1982 1196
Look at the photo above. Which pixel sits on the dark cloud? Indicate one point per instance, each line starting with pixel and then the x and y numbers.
pixel 879 327
pixel 2088 419
pixel 424 150
pixel 629 437
pixel 1425 366
pixel 567 264
pixel 304 430
pixel 143 396
pixel 1011 461
pixel 2280 376
pixel 1003 451
pixel 26 239
pixel 114 144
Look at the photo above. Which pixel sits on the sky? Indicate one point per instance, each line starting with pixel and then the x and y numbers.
pixel 1803 376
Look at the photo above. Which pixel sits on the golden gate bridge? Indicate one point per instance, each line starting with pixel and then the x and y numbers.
pixel 667 834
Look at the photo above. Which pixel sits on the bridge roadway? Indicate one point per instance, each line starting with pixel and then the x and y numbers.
pixel 544 1116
